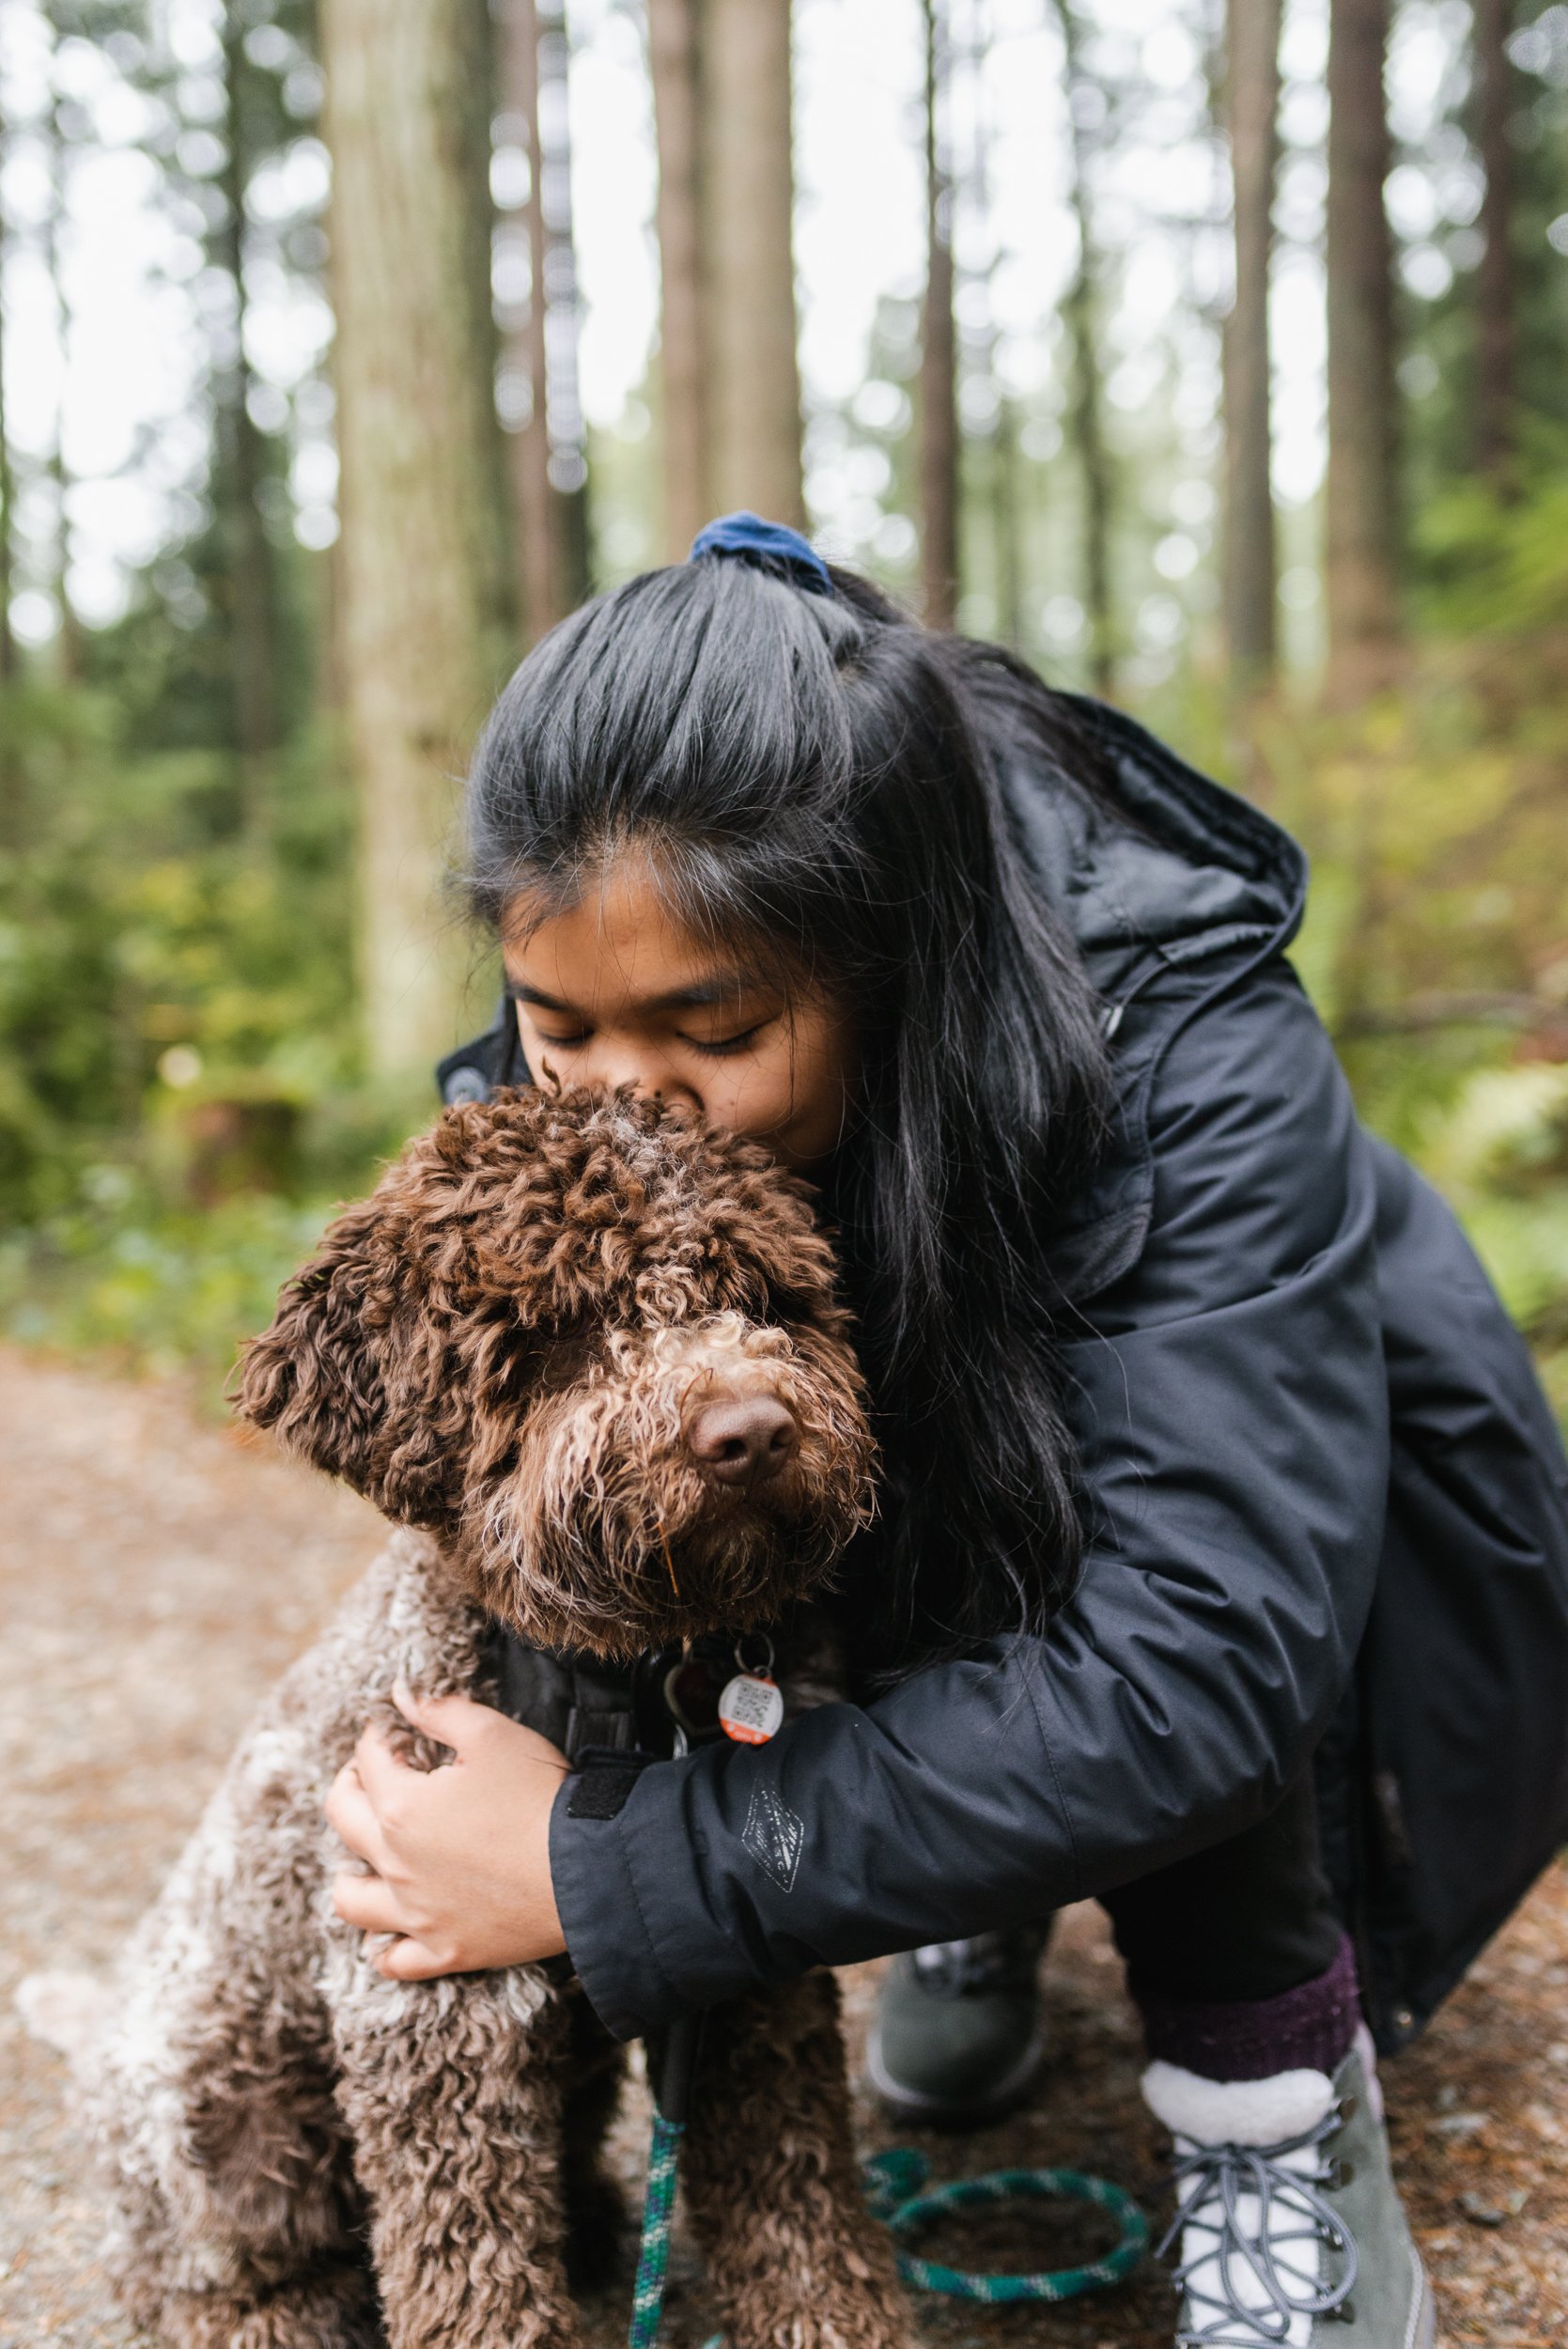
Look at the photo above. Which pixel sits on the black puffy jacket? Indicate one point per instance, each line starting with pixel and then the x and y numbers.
pixel 1330 1515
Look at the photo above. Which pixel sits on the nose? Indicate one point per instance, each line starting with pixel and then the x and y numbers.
pixel 744 1441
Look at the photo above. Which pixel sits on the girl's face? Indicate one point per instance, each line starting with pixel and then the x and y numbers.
pixel 614 992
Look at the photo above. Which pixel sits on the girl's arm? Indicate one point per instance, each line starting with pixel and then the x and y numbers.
pixel 1231 1410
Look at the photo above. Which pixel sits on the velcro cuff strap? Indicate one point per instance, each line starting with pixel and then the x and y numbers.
pixel 601 1781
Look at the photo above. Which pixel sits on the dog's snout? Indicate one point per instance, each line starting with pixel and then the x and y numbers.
pixel 744 1440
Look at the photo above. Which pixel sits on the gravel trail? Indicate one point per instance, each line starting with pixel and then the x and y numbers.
pixel 157 1573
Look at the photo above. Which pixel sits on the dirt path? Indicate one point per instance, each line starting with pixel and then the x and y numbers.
pixel 154 1577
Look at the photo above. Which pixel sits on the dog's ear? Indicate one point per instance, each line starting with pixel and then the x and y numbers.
pixel 348 1375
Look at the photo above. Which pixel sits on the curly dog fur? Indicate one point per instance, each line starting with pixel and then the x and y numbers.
pixel 505 1347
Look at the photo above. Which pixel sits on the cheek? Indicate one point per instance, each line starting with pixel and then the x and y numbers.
pixel 754 1097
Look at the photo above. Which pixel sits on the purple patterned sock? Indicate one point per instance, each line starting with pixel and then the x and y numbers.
pixel 1307 2028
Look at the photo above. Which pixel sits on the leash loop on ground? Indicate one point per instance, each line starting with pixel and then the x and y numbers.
pixel 895 2183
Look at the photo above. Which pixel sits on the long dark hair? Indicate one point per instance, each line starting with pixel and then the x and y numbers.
pixel 816 778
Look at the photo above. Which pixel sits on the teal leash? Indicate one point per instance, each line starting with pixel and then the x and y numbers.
pixel 653 2258
pixel 895 2183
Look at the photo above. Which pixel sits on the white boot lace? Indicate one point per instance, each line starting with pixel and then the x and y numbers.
pixel 1254 2228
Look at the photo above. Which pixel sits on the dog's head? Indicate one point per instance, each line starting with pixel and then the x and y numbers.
pixel 595 1347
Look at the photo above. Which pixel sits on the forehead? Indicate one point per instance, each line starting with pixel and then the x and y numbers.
pixel 618 947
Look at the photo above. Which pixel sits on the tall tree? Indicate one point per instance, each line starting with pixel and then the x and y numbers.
pixel 1495 362
pixel 749 201
pixel 1085 407
pixel 407 119
pixel 939 358
pixel 673 57
pixel 1363 615
pixel 539 564
pixel 568 462
pixel 7 477
pixel 1251 107
pixel 68 644
pixel 723 99
pixel 252 618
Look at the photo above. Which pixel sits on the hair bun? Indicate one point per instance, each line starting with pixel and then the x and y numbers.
pixel 770 546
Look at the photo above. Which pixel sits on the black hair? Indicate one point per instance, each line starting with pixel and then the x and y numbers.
pixel 817 778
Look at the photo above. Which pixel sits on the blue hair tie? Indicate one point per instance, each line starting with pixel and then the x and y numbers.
pixel 769 545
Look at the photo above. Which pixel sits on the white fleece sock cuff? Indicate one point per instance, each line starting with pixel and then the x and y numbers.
pixel 1236 2112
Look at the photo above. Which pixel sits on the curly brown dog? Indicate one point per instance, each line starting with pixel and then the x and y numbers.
pixel 589 1355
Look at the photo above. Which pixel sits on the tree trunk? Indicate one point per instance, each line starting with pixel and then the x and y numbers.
pixel 421 572
pixel 939 356
pixel 12 807
pixel 1363 624
pixel 68 646
pixel 1493 22
pixel 1252 104
pixel 747 188
pixel 1085 412
pixel 1004 527
pixel 7 475
pixel 673 57
pixel 538 564
pixel 252 631
pixel 569 461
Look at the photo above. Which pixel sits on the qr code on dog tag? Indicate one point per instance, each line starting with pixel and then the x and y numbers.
pixel 749 1709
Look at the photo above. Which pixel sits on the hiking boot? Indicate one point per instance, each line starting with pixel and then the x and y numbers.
pixel 957 2038
pixel 1289 2220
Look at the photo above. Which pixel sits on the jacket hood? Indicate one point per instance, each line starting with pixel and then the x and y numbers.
pixel 1156 861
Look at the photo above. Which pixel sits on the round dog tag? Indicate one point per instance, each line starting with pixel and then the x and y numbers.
pixel 751 1708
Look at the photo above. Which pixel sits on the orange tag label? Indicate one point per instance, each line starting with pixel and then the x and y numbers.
pixel 750 1709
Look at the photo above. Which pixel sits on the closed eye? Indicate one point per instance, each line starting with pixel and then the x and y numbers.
pixel 716 1047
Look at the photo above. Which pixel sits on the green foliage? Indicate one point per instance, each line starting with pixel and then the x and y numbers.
pixel 1435 944
pixel 179 1086
pixel 143 928
pixel 150 1285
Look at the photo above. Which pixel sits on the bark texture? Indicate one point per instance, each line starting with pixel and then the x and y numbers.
pixel 421 572
pixel 672 56
pixel 538 561
pixel 1251 106
pixel 251 617
pixel 748 185
pixel 939 360
pixel 568 467
pixel 8 488
pixel 1363 624
pixel 1493 22
pixel 732 385
pixel 1086 408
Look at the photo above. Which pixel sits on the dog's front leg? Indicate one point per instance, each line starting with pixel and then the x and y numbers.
pixel 452 2091
pixel 774 2194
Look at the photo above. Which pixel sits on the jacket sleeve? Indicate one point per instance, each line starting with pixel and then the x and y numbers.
pixel 1230 1406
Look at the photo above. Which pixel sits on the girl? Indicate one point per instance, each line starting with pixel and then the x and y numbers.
pixel 1222 1568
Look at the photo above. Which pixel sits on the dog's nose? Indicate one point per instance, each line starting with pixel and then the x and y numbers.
pixel 744 1441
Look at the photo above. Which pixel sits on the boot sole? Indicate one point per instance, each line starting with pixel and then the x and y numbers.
pixel 943 2112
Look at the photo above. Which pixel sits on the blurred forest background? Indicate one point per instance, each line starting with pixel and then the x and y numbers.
pixel 1215 360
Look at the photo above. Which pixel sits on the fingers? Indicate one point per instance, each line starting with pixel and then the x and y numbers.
pixel 410 1960
pixel 462 1724
pixel 370 1903
pixel 353 1814
pixel 384 1779
pixel 454 1721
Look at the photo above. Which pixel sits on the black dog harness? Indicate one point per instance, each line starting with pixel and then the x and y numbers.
pixel 610 1720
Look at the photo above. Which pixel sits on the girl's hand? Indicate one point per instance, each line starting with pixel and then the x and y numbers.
pixel 461 1854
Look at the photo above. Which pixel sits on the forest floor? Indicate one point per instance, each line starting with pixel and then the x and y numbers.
pixel 155 1576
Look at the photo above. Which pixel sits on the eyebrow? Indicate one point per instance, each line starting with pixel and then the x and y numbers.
pixel 703 995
